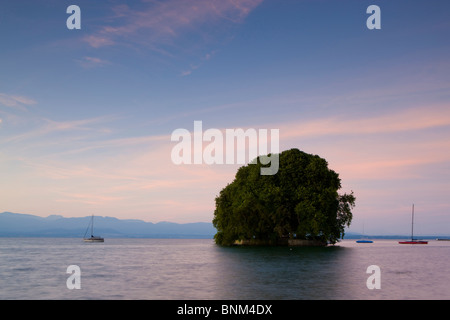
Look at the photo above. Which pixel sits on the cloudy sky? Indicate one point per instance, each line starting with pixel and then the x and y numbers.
pixel 86 116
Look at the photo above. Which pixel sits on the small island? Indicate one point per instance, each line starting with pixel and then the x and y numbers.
pixel 298 206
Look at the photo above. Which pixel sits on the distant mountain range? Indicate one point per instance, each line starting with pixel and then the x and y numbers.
pixel 26 225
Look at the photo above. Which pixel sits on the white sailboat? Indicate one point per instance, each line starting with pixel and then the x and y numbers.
pixel 92 238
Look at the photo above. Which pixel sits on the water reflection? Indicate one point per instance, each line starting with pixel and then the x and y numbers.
pixel 199 269
pixel 280 272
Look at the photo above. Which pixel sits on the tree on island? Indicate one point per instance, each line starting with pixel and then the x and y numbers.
pixel 301 201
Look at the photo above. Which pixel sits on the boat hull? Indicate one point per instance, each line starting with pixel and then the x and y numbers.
pixel 364 241
pixel 413 242
pixel 94 240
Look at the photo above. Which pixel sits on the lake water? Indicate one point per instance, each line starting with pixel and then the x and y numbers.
pixel 169 269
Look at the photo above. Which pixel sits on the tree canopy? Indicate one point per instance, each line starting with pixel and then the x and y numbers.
pixel 301 201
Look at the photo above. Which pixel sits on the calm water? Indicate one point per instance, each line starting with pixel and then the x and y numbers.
pixel 198 269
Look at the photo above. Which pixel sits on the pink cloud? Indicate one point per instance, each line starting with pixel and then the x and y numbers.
pixel 133 175
pixel 15 101
pixel 92 62
pixel 89 198
pixel 390 146
pixel 164 21
pixel 407 120
pixel 136 174
pixel 98 41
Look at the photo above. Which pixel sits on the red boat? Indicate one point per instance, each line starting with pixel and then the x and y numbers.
pixel 413 241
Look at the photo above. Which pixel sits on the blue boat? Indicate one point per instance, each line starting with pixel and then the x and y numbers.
pixel 364 240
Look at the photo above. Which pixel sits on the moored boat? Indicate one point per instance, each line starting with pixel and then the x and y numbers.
pixel 413 241
pixel 92 238
pixel 364 240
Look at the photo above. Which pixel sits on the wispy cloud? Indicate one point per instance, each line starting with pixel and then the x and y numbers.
pixel 129 173
pixel 162 21
pixel 88 198
pixel 47 126
pixel 407 120
pixel 136 173
pixel 185 73
pixel 92 62
pixel 397 145
pixel 97 41
pixel 189 71
pixel 14 101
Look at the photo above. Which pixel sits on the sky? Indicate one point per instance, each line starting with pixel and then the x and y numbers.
pixel 86 115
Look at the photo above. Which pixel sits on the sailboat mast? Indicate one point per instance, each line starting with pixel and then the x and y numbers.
pixel 412 232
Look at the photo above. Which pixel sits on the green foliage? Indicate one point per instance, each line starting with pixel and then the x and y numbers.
pixel 301 201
